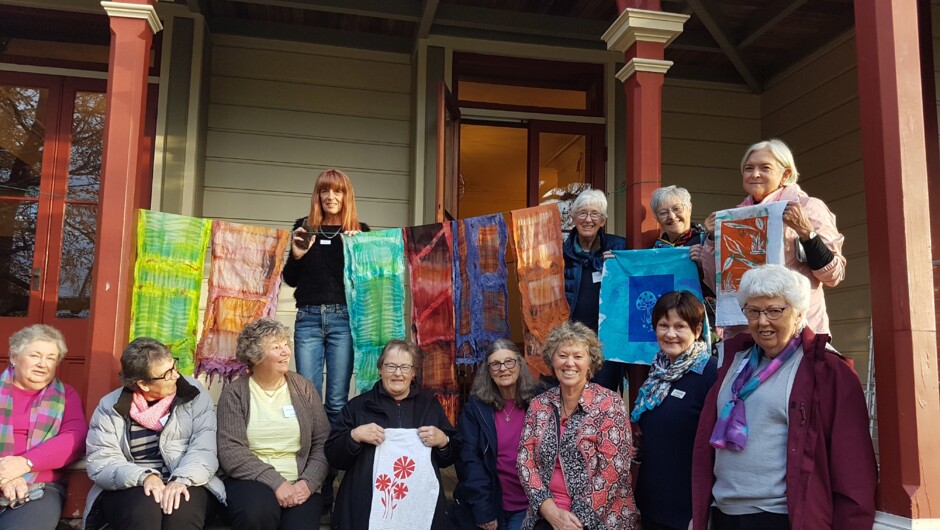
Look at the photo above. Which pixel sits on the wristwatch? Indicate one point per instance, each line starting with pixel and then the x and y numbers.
pixel 812 235
pixel 29 463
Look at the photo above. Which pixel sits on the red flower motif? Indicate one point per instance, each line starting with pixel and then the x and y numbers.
pixel 404 467
pixel 400 490
pixel 382 482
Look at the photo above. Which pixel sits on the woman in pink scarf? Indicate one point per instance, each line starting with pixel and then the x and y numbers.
pixel 151 448
pixel 812 243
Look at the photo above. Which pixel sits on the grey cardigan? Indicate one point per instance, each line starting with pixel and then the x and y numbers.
pixel 236 459
pixel 187 444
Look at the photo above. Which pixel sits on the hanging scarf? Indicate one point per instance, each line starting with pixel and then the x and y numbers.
pixel 663 374
pixel 731 428
pixel 584 257
pixel 149 415
pixel 45 415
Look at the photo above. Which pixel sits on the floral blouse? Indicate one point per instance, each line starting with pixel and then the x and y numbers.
pixel 595 454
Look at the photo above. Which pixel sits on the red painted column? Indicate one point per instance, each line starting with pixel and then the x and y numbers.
pixel 133 24
pixel 898 218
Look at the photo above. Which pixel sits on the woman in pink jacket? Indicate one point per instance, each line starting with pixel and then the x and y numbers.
pixel 813 244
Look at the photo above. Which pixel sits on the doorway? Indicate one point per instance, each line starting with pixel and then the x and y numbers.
pixel 51 131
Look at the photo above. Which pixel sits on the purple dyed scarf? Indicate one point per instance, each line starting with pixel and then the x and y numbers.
pixel 731 428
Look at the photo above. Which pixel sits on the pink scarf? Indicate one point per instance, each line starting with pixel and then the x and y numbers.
pixel 149 415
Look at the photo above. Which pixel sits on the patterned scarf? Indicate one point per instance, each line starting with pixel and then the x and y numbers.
pixel 149 415
pixel 45 416
pixel 540 265
pixel 374 276
pixel 244 279
pixel 731 428
pixel 663 241
pixel 171 254
pixel 663 374
pixel 481 298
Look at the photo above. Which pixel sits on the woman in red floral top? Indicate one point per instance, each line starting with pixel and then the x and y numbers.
pixel 574 459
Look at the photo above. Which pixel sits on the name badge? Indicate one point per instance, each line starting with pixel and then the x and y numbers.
pixel 597 276
pixel 678 394
pixel 289 411
pixel 164 419
pixel 324 241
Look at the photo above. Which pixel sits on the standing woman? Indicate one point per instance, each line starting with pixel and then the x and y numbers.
pixel 585 251
pixel 812 242
pixel 667 412
pixel 315 270
pixel 489 494
pixel 43 430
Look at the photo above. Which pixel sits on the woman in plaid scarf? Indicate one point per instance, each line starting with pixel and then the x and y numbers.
pixel 43 430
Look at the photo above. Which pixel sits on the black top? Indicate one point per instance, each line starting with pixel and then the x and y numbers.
pixel 664 482
pixel 318 275
pixel 589 299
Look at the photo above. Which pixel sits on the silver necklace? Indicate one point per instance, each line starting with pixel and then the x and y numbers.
pixel 336 233
pixel 507 410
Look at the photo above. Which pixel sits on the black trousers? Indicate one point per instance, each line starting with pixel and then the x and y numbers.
pixel 253 506
pixel 130 509
pixel 754 521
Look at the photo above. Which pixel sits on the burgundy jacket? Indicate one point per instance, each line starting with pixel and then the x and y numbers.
pixel 831 472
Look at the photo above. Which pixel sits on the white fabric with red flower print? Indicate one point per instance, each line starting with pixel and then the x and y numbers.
pixel 405 487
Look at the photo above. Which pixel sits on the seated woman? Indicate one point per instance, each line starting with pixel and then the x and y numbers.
pixel 42 432
pixel 574 459
pixel 151 447
pixel 489 494
pixel 271 433
pixel 799 455
pixel 395 402
pixel 667 411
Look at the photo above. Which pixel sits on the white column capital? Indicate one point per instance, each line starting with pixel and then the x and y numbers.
pixel 643 25
pixel 128 10
pixel 639 64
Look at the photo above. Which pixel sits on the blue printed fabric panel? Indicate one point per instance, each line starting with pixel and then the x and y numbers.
pixel 632 282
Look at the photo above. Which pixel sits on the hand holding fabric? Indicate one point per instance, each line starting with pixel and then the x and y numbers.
pixel 369 433
pixel 795 218
pixel 432 436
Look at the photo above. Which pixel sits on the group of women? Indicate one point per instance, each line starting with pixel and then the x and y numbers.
pixel 772 434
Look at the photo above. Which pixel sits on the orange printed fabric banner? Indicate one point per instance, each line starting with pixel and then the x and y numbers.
pixel 244 280
pixel 540 266
pixel 745 238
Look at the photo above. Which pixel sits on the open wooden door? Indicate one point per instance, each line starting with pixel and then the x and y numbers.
pixel 448 155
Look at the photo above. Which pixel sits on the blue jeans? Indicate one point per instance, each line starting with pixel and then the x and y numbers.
pixel 321 334
pixel 512 520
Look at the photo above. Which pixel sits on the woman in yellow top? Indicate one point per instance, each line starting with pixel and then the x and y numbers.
pixel 271 432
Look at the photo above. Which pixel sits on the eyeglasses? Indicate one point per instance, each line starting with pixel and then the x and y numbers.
pixel 508 364
pixel 392 368
pixel 594 216
pixel 35 492
pixel 167 375
pixel 772 313
pixel 675 210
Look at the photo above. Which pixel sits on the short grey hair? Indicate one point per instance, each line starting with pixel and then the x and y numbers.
pixel 776 280
pixel 249 350
pixel 138 357
pixel 30 334
pixel 781 152
pixel 571 332
pixel 405 346
pixel 661 195
pixel 590 198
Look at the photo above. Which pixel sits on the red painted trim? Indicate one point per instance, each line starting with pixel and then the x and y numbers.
pixel 897 205
pixel 123 149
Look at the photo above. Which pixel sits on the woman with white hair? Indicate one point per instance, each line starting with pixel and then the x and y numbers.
pixel 812 243
pixel 799 455
pixel 585 251
pixel 672 207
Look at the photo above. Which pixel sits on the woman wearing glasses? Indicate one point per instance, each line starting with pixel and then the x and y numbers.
pixel 43 430
pixel 812 242
pixel 394 402
pixel 151 447
pixel 672 207
pixel 271 434
pixel 489 494
pixel 783 440
pixel 585 251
